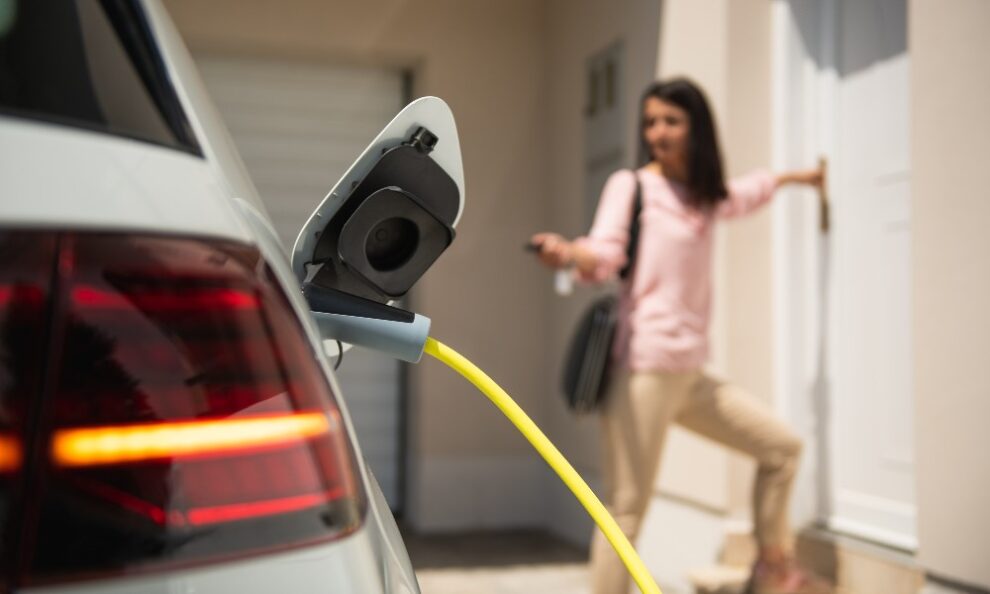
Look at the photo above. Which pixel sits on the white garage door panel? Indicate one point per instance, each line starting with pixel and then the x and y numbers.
pixel 298 127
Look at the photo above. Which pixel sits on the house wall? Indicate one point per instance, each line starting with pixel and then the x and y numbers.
pixel 577 30
pixel 950 144
pixel 732 63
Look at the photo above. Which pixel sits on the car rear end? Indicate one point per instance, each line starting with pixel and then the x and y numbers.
pixel 167 420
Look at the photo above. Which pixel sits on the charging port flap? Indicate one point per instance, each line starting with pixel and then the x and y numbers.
pixel 392 214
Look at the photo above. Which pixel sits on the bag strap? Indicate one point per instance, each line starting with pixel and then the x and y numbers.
pixel 633 230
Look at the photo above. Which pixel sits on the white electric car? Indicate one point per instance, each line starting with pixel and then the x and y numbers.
pixel 168 419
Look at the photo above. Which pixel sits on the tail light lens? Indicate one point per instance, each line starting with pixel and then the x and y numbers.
pixel 25 273
pixel 183 416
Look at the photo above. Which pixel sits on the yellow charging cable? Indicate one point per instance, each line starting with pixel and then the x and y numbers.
pixel 553 457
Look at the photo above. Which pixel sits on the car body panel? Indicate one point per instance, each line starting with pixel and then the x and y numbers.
pixel 344 566
pixel 56 176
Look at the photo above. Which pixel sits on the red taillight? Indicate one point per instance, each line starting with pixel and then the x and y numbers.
pixel 184 418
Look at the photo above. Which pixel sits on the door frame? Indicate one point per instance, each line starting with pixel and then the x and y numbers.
pixel 798 250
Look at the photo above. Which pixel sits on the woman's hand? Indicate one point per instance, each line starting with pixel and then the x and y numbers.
pixel 554 250
pixel 808 177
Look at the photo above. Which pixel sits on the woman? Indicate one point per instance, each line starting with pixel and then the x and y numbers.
pixel 662 339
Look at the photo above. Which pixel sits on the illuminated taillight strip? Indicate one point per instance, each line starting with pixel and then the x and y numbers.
pixel 197 299
pixel 239 511
pixel 133 443
pixel 10 453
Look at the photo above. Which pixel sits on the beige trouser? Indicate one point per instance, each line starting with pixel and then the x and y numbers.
pixel 639 408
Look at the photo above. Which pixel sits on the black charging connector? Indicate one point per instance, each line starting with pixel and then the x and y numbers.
pixel 393 225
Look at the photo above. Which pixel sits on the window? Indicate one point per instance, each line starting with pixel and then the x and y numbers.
pixel 91 64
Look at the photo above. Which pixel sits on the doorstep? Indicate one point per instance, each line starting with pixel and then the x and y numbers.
pixel 854 565
pixel 859 566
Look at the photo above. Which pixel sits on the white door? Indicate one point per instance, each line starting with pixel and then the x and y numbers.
pixel 298 126
pixel 868 339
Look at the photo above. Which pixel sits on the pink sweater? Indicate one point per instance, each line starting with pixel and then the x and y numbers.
pixel 664 311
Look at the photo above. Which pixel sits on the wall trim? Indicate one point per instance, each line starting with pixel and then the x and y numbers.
pixel 499 492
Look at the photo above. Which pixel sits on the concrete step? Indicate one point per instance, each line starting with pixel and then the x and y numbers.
pixel 853 565
pixel 738 548
pixel 723 579
pixel 857 566
pixel 719 579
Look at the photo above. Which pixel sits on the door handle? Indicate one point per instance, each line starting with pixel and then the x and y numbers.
pixel 823 203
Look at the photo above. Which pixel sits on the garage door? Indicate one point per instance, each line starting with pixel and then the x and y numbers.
pixel 298 126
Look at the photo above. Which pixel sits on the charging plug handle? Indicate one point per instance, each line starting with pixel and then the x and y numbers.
pixel 366 323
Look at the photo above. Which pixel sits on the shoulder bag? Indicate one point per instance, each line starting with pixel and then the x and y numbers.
pixel 585 378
